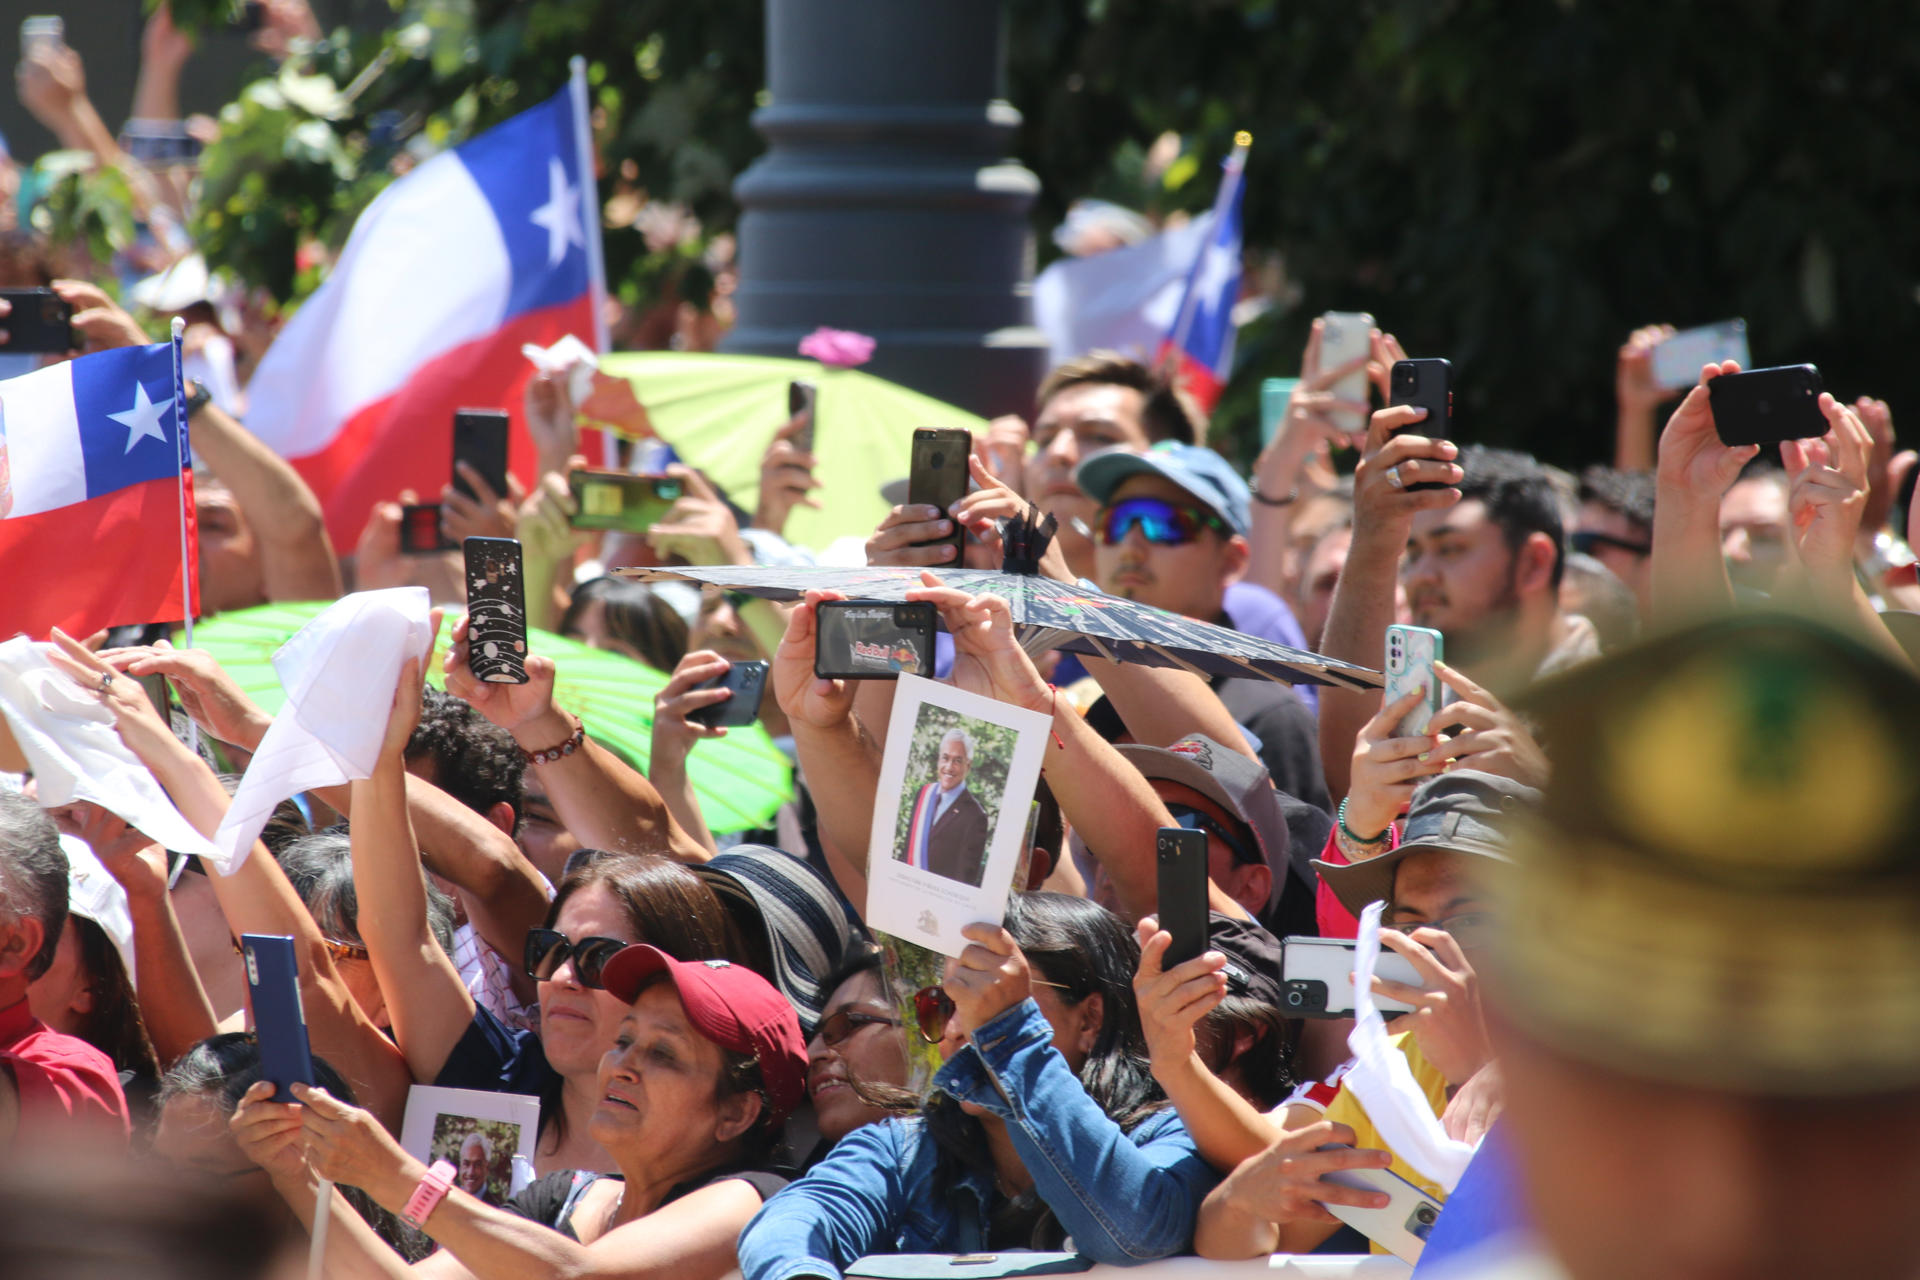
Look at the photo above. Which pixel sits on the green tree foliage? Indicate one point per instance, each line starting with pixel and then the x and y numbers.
pixel 1517 186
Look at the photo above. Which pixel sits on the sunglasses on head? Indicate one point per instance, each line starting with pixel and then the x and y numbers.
pixel 547 949
pixel 1160 522
pixel 933 1008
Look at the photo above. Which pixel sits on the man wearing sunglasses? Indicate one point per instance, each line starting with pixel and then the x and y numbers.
pixel 1172 532
pixel 1616 527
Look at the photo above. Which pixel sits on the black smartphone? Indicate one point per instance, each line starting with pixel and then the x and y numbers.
pixel 872 640
pixel 938 478
pixel 1766 406
pixel 279 1020
pixel 420 529
pixel 1429 385
pixel 1183 892
pixel 480 441
pixel 801 396
pixel 40 322
pixel 621 500
pixel 496 611
pixel 747 680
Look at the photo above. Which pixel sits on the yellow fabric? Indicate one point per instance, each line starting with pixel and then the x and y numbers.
pixel 1346 1109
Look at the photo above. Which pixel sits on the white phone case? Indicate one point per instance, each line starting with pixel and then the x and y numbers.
pixel 1411 653
pixel 1329 962
pixel 1677 361
pixel 1403 1226
pixel 1346 336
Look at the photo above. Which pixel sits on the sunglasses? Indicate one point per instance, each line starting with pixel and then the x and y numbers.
pixel 1194 820
pixel 1584 541
pixel 548 948
pixel 836 1027
pixel 1160 522
pixel 933 1009
pixel 344 950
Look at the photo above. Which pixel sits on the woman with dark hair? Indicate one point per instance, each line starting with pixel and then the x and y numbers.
pixel 857 1061
pixel 626 617
pixel 704 1068
pixel 85 992
pixel 198 1094
pixel 1046 1122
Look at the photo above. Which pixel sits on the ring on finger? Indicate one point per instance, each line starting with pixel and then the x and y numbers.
pixel 1394 478
pixel 106 683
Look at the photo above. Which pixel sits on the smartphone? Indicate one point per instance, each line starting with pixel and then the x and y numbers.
pixel 1316 977
pixel 279 1019
pixel 40 322
pixel 801 396
pixel 1678 360
pixel 480 441
pixel 621 500
pixel 872 640
pixel 747 680
pixel 1411 653
pixel 496 611
pixel 1183 892
pixel 160 145
pixel 1274 395
pixel 1766 406
pixel 938 478
pixel 420 529
pixel 1428 384
pixel 1403 1226
pixel 43 32
pixel 1346 336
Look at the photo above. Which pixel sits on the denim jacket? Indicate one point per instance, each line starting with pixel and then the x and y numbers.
pixel 1125 1198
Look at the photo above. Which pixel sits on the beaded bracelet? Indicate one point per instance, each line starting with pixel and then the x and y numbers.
pixel 1351 844
pixel 560 752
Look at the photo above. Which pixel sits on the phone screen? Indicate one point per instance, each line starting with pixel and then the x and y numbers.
pixel 864 640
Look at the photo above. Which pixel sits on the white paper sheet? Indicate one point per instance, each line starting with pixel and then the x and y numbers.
pixel 339 672
pixel 1384 1083
pixel 569 356
pixel 94 893
pixel 67 734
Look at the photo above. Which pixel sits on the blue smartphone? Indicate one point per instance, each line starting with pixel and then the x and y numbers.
pixel 279 1019
pixel 1274 394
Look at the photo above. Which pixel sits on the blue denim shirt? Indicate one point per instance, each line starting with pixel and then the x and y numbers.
pixel 1125 1198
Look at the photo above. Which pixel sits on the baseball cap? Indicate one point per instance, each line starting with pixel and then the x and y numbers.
pixel 1235 782
pixel 1203 473
pixel 730 1005
pixel 1463 811
pixel 1721 887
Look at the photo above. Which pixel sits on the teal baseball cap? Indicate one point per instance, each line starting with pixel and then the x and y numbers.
pixel 1203 473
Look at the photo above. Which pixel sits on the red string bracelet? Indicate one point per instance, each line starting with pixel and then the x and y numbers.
pixel 1053 699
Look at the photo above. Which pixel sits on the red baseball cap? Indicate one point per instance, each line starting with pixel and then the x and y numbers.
pixel 730 1005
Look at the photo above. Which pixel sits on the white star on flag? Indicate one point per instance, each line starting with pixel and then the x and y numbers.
pixel 1218 267
pixel 144 418
pixel 560 215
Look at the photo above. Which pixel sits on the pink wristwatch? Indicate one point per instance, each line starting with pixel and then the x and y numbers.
pixel 431 1191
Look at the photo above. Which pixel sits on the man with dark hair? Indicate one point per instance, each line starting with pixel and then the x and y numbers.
pixel 1616 526
pixel 471 759
pixel 47 1078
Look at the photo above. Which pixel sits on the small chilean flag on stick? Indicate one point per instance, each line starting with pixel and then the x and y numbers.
pixel 96 506
pixel 1198 350
pixel 449 271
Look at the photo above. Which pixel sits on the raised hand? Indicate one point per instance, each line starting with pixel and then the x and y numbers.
pixel 551 420
pixel 987 657
pixel 132 858
pixel 804 697
pixel 1634 388
pixel 674 733
pixel 1283 1183
pixel 139 725
pixel 1446 1020
pixel 1387 768
pixel 270 1133
pixel 1494 740
pixel 99 318
pixel 1173 1000
pixel 786 476
pixel 1694 467
pixel 989 977
pixel 1309 429
pixel 518 708
pixel 993 501
pixel 1395 460
pixel 699 528
pixel 1827 495
pixel 209 696
pixel 486 514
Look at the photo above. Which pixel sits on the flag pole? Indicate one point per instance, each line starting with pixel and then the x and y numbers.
pixel 1229 189
pixel 179 328
pixel 590 214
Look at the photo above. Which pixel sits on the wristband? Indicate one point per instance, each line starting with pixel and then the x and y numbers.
pixel 427 1196
pixel 1350 843
pixel 1286 499
pixel 560 752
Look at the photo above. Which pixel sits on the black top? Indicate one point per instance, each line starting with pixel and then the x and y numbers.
pixel 1288 733
pixel 550 1201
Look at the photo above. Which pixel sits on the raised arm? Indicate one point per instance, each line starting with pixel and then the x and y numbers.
pixel 1694 473
pixel 296 558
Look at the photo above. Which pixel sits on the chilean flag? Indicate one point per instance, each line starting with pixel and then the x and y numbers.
pixel 453 267
pixel 1199 346
pixel 96 507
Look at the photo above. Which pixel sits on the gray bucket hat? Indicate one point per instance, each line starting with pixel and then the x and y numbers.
pixel 1464 812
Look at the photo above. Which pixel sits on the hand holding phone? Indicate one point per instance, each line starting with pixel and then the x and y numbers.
pixel 279 1018
pixel 37 322
pixel 620 500
pixel 1766 406
pixel 801 398
pixel 938 478
pixel 745 681
pixel 872 640
pixel 1411 655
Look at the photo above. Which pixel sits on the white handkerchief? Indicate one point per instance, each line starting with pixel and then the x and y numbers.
pixel 1384 1083
pixel 94 893
pixel 67 735
pixel 569 356
pixel 339 672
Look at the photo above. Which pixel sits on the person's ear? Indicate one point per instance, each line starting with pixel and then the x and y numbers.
pixel 736 1115
pixel 1238 552
pixel 1039 867
pixel 1092 1013
pixel 1255 887
pixel 82 1003
pixel 20 941
pixel 1533 565
pixel 501 815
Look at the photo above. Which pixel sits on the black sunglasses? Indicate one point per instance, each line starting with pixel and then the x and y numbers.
pixel 1584 541
pixel 1194 820
pixel 547 949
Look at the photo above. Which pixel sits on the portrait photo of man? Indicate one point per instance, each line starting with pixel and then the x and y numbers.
pixel 947 828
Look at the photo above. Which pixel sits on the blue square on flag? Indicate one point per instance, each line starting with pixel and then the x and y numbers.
pixel 123 403
pixel 529 171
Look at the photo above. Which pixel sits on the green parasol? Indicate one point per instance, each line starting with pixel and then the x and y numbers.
pixel 740 779
pixel 719 412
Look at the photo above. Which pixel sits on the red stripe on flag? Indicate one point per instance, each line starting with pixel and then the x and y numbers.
pixel 109 561
pixel 405 440
pixel 1188 374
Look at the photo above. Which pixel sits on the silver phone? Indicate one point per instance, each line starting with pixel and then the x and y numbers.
pixel 42 32
pixel 1316 977
pixel 1346 336
pixel 1403 1226
pixel 1677 361
pixel 1411 653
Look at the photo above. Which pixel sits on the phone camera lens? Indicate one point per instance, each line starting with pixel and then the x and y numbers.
pixel 1295 999
pixel 938 459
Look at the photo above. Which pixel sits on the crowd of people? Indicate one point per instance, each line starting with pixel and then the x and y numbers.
pixel 1650 863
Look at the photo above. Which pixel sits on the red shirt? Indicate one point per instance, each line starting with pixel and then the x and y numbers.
pixel 61 1078
pixel 1335 920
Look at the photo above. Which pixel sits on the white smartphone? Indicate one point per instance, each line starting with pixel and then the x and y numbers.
pixel 45 31
pixel 1316 977
pixel 1677 361
pixel 1411 653
pixel 1403 1226
pixel 1346 336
